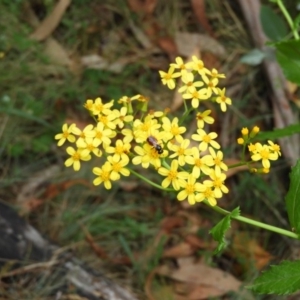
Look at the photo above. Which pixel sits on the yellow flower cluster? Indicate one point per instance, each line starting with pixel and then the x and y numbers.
pixel 258 151
pixel 126 134
pixel 192 89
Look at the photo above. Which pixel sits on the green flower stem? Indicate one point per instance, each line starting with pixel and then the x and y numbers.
pixel 288 18
pixel 149 181
pixel 255 223
pixel 237 165
pixel 186 113
pixel 166 165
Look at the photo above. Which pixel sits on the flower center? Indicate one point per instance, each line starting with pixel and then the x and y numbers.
pixel 190 189
pixel 172 175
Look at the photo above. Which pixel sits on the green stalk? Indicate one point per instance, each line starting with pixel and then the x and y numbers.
pixel 149 181
pixel 288 18
pixel 255 223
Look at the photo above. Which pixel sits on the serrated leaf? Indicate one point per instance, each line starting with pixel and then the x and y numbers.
pixel 273 25
pixel 293 198
pixel 282 279
pixel 288 56
pixel 219 230
pixel 279 133
pixel 235 213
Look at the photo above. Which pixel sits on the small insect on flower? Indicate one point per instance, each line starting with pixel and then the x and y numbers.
pixel 154 143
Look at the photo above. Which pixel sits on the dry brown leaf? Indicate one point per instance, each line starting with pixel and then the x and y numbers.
pixel 57 53
pixel 291 87
pixel 245 247
pixel 197 243
pixel 139 6
pixel 200 274
pixel 168 44
pixel 36 181
pixel 171 222
pixel 187 43
pixel 51 22
pixel 197 292
pixel 128 186
pixel 94 61
pixel 136 5
pixel 199 10
pixel 179 250
pixel 194 220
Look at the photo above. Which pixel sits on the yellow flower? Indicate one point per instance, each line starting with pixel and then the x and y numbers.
pixel 199 163
pixel 274 148
pixel 168 78
pixel 120 150
pixel 208 193
pixel 142 130
pixel 252 147
pixel 189 84
pixel 117 167
pixel 100 108
pixel 191 190
pixel 89 104
pixel 211 85
pixel 87 132
pixel 254 131
pixel 157 113
pixel 108 120
pixel 65 135
pixel 245 132
pixel 205 139
pixel 172 129
pixel 216 159
pixel 196 96
pixel 263 153
pixel 122 117
pixel 214 73
pixel 179 64
pixel 124 100
pixel 222 99
pixel 140 98
pixel 181 151
pixel 198 66
pixel 128 135
pixel 204 117
pixel 218 184
pixel 90 144
pixel 102 135
pixel 240 141
pixel 173 176
pixel 104 174
pixel 76 156
pixel 146 155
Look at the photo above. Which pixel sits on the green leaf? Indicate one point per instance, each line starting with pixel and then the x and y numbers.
pixel 42 144
pixel 253 58
pixel 273 25
pixel 279 133
pixel 219 230
pixel 297 21
pixel 293 198
pixel 288 56
pixel 282 279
